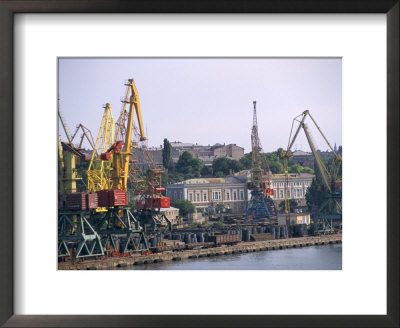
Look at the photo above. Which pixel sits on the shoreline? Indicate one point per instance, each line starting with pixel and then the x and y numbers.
pixel 109 263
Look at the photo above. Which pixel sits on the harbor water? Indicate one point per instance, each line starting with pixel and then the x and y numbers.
pixel 328 257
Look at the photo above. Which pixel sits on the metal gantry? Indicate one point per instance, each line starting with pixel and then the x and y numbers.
pixel 260 206
pixel 76 233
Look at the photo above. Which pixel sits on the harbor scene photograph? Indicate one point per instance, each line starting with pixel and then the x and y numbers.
pixel 199 163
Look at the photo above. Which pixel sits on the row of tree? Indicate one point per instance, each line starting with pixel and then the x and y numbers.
pixel 189 167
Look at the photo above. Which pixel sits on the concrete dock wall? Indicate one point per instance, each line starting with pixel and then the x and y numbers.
pixel 243 247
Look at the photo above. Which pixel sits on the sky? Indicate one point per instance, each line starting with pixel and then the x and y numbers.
pixel 208 100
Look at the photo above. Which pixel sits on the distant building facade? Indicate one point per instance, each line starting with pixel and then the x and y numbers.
pixel 307 158
pixel 297 186
pixel 232 191
pixel 207 153
pixel 208 192
pixel 303 158
pixel 146 158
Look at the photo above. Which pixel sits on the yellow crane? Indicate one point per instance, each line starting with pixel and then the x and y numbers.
pixel 120 151
pixel 99 170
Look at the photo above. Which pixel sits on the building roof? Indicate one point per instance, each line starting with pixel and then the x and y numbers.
pixel 292 176
pixel 199 181
pixel 301 153
pixel 177 144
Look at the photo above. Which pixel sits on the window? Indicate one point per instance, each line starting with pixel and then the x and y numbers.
pixel 280 193
pixel 180 195
pixel 241 194
pixel 190 196
pixel 197 197
pixel 174 195
pixel 228 196
pixel 204 196
pixel 275 193
pixel 280 184
pixel 235 195
pixel 216 195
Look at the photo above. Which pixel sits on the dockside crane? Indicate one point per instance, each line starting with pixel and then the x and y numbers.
pixel 99 170
pixel 74 230
pixel 121 155
pixel 331 208
pixel 261 205
pixel 86 133
pixel 67 159
pixel 119 220
pixel 147 187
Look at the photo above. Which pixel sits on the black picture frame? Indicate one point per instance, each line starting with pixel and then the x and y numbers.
pixel 7 10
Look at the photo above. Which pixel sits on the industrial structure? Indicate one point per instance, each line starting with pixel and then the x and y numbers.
pixel 331 208
pixel 260 205
pixel 99 171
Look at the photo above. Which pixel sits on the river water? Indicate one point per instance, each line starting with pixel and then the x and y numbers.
pixel 327 257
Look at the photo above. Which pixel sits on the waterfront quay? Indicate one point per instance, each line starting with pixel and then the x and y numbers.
pixel 108 263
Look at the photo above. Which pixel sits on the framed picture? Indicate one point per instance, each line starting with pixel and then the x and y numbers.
pixel 39 44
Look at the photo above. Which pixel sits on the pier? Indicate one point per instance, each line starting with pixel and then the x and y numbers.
pixel 108 263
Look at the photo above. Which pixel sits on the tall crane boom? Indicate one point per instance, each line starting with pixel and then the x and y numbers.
pixel 121 156
pixel 328 177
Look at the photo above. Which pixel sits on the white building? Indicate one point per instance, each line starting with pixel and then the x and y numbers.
pixel 296 186
pixel 205 192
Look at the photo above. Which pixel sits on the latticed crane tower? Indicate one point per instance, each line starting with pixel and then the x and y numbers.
pixel 99 176
pixel 261 205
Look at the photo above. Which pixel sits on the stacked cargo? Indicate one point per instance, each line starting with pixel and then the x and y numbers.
pixel 103 198
pixel 159 202
pixel 220 239
pixel 76 201
pixel 117 198
pixel 107 198
pixel 92 200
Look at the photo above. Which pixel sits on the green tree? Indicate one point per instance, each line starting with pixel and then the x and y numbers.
pixel 220 174
pixel 279 151
pixel 306 169
pixel 206 171
pixel 295 168
pixel 167 154
pixel 314 195
pixel 276 167
pixel 224 165
pixel 185 206
pixel 189 166
pixel 245 161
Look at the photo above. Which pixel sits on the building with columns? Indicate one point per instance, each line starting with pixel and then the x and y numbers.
pixel 296 188
pixel 298 183
pixel 208 192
